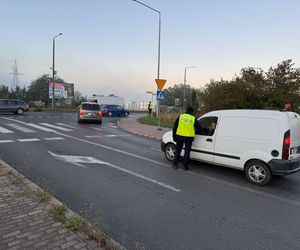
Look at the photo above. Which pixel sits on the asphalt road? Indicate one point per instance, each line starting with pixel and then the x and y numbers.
pixel 123 183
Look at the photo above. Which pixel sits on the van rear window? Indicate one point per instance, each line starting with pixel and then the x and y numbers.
pixel 90 106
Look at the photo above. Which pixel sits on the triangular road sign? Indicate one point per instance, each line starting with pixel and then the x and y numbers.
pixel 160 83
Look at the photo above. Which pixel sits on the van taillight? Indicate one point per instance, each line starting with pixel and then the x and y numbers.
pixel 286 145
pixel 100 114
pixel 81 112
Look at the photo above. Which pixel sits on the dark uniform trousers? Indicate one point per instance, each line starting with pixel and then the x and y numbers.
pixel 187 142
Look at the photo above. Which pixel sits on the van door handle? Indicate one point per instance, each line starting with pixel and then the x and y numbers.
pixel 210 140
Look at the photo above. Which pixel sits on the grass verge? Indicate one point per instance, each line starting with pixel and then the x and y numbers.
pixel 166 120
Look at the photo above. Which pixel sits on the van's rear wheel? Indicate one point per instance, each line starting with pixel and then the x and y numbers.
pixel 170 151
pixel 258 173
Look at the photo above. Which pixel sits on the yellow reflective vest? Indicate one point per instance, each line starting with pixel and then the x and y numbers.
pixel 186 125
pixel 150 105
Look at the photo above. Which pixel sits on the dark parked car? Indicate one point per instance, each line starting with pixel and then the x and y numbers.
pixel 13 106
pixel 114 110
pixel 89 112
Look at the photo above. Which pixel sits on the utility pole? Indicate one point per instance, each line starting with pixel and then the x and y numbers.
pixel 15 80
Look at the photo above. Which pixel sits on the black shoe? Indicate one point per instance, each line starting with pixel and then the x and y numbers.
pixel 185 168
pixel 175 166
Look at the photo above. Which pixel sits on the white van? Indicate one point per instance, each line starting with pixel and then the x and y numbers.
pixel 260 142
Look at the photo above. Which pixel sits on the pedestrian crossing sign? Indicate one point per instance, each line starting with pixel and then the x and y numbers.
pixel 160 95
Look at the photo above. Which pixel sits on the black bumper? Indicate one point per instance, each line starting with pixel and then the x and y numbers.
pixel 284 167
pixel 162 146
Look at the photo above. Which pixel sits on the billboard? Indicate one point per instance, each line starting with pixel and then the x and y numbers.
pixel 61 90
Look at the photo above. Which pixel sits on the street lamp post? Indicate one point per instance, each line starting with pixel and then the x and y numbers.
pixel 158 65
pixel 184 83
pixel 53 71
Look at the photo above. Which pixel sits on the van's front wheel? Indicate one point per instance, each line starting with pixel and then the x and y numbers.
pixel 258 173
pixel 170 151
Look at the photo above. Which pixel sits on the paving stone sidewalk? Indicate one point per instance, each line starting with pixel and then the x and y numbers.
pixel 25 223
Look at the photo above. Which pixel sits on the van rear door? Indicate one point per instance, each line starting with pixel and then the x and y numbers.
pixel 294 120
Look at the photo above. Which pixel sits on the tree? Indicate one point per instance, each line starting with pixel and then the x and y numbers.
pixel 38 89
pixel 4 92
pixel 283 84
pixel 254 89
pixel 177 92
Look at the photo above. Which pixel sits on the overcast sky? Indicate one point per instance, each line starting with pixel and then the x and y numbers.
pixel 110 46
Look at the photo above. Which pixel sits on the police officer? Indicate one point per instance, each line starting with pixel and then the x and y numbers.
pixel 183 134
pixel 150 107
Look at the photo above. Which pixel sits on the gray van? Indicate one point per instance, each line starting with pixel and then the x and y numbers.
pixel 13 106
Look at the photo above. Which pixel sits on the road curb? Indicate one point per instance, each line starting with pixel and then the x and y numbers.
pixel 137 133
pixel 53 201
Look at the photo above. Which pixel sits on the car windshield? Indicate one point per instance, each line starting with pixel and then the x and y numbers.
pixel 90 106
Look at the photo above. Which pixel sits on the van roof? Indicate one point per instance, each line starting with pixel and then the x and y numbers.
pixel 251 112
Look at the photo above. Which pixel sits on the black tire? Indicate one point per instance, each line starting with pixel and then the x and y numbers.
pixel 170 151
pixel 79 121
pixel 258 173
pixel 99 122
pixel 19 111
pixel 126 114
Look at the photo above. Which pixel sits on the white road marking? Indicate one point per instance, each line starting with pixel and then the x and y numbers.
pixel 111 135
pixel 66 125
pixel 29 140
pixel 94 136
pixel 56 127
pixel 53 138
pixel 6 141
pixel 99 129
pixel 91 160
pixel 113 126
pixel 18 127
pixel 39 127
pixel 5 131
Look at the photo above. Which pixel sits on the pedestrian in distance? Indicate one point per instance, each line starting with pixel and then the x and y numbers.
pixel 184 130
pixel 150 107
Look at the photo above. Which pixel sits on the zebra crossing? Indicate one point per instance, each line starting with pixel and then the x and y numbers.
pixel 8 128
pixel 11 126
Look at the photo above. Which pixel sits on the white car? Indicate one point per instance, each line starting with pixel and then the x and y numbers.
pixel 260 142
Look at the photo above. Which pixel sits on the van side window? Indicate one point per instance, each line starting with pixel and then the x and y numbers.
pixel 207 126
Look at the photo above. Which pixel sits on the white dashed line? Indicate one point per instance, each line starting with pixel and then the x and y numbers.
pixel 6 141
pixel 111 135
pixel 29 140
pixel 53 138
